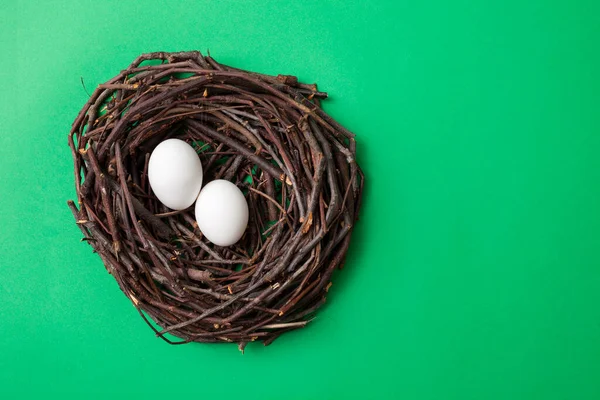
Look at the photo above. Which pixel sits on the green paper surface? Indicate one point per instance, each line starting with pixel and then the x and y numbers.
pixel 474 272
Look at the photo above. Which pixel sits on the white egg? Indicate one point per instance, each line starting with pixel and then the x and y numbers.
pixel 222 212
pixel 175 174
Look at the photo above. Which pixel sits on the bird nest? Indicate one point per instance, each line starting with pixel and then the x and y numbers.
pixel 295 165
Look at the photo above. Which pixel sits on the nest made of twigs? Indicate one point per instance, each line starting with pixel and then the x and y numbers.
pixel 295 165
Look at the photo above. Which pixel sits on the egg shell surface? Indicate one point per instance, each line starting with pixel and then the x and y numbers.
pixel 222 212
pixel 175 174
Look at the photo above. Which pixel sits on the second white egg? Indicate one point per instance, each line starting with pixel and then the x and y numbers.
pixel 222 212
pixel 175 174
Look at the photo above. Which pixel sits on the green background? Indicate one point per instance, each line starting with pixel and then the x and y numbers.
pixel 474 271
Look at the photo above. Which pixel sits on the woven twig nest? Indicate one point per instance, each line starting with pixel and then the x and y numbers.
pixel 295 165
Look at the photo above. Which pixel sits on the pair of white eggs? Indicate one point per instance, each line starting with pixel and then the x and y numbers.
pixel 175 175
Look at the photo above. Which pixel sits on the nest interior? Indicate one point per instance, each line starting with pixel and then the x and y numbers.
pixel 267 134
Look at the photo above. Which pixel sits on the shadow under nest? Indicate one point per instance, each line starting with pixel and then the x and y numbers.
pixel 295 165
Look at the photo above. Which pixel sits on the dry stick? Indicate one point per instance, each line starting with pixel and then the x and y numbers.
pixel 272 208
pixel 107 209
pixel 120 126
pixel 161 229
pixel 77 162
pixel 274 202
pixel 127 196
pixel 268 277
pixel 250 288
pixel 272 170
pixel 287 162
pixel 239 128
